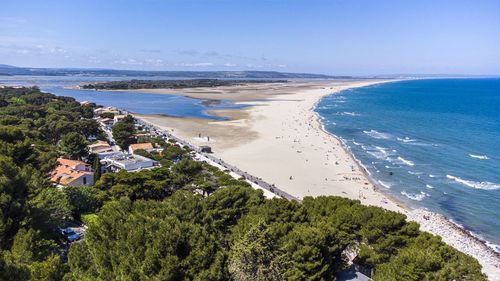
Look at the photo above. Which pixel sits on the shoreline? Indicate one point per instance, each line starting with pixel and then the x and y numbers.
pixel 348 150
pixel 450 232
pixel 460 238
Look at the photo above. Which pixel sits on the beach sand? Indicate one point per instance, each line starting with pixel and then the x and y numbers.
pixel 280 139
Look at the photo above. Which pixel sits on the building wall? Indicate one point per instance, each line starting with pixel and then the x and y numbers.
pixel 81 167
pixel 89 180
pixel 139 165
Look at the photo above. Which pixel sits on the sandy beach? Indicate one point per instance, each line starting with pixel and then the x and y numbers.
pixel 280 139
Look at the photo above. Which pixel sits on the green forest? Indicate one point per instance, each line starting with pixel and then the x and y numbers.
pixel 185 220
pixel 171 84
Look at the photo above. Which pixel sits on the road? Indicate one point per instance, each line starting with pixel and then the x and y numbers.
pixel 109 134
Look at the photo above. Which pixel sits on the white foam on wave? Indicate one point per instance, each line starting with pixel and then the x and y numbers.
pixel 481 157
pixel 385 184
pixel 377 135
pixel 429 186
pixel 356 143
pixel 348 113
pixel 406 140
pixel 377 152
pixel 492 246
pixel 383 153
pixel 415 196
pixel 414 173
pixel 486 185
pixel 410 141
pixel 406 162
pixel 432 176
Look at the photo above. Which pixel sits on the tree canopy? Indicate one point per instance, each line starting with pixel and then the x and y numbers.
pixel 123 131
pixel 73 145
pixel 32 124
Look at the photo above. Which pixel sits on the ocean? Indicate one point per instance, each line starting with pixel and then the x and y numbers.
pixel 429 143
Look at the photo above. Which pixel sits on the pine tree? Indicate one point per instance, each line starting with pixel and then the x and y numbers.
pixel 97 168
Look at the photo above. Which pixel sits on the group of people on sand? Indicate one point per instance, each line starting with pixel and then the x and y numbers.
pixel 352 178
pixel 208 137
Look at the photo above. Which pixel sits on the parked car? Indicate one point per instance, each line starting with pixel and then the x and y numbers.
pixel 69 234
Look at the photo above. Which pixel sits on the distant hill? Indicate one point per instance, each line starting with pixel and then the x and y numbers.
pixel 3 66
pixel 13 70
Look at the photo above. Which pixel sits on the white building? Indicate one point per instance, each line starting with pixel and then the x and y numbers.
pixel 128 162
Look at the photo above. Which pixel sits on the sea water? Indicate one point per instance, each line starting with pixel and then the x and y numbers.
pixel 430 143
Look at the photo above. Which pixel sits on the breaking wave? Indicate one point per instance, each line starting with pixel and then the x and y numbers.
pixel 482 157
pixel 486 185
pixel 348 113
pixel 377 135
pixel 406 162
pixel 406 140
pixel 385 184
pixel 415 196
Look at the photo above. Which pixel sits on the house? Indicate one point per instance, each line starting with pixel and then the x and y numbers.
pixel 72 173
pixel 100 147
pixel 136 146
pixel 128 162
pixel 118 118
pixel 106 121
pixel 109 109
pixel 139 135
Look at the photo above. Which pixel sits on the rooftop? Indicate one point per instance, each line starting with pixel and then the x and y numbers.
pixel 99 143
pixel 145 146
pixel 66 171
pixel 127 158
pixel 70 163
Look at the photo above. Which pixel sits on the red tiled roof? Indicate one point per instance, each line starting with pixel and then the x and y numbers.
pixel 66 173
pixel 145 146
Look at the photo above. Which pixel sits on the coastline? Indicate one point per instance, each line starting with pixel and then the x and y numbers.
pixel 348 151
pixel 255 118
pixel 451 233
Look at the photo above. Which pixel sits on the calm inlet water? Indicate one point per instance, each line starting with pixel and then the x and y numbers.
pixel 431 143
pixel 141 103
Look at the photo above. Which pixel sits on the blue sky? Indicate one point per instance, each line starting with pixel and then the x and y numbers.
pixel 351 37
